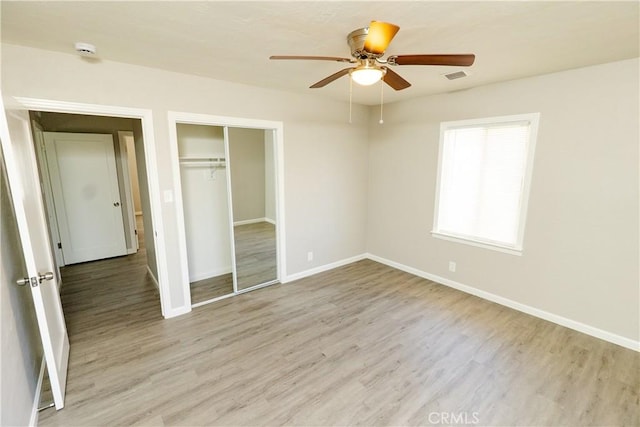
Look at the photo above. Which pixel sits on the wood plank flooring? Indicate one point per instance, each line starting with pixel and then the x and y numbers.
pixel 213 287
pixel 363 344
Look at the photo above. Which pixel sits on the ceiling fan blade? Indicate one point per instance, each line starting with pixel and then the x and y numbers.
pixel 331 78
pixel 312 58
pixel 394 80
pixel 379 36
pixel 462 60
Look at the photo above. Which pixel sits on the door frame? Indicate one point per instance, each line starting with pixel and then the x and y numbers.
pixel 146 117
pixel 47 193
pixel 175 118
pixel 123 158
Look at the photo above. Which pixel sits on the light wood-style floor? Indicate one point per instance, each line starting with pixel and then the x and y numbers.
pixel 213 287
pixel 362 344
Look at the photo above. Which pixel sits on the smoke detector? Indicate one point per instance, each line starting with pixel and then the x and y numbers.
pixel 85 49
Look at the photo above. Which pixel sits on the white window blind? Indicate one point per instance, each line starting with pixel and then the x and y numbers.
pixel 483 181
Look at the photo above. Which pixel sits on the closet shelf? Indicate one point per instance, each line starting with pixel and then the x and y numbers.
pixel 220 162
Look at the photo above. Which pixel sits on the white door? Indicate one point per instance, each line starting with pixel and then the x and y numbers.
pixel 22 174
pixel 86 195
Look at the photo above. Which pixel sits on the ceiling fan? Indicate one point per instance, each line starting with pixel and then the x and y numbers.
pixel 367 48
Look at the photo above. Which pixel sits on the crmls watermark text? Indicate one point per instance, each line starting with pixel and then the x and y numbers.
pixel 453 418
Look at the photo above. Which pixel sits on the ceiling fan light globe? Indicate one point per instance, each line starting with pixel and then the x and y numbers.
pixel 366 76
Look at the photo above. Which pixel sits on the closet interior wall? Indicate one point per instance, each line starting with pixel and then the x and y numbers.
pixel 201 151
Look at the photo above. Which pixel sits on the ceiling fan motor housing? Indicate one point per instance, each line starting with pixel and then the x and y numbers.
pixel 356 40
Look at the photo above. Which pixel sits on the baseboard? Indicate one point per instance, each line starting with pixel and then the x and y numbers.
pixel 323 268
pixel 209 274
pixel 131 251
pixel 551 317
pixel 33 420
pixel 270 221
pixel 250 221
pixel 153 278
pixel 177 312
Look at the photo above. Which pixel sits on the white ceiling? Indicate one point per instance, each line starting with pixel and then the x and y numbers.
pixel 233 40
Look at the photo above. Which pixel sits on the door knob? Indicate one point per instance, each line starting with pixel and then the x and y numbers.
pixel 46 276
pixel 116 204
pixel 35 281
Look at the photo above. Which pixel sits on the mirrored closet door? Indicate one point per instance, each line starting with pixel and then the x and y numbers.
pixel 230 194
pixel 205 203
pixel 253 190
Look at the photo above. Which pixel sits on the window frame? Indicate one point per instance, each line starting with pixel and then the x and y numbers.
pixel 516 249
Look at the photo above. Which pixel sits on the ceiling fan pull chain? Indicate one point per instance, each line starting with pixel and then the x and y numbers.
pixel 381 100
pixel 350 97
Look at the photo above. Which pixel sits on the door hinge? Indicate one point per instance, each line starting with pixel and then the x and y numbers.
pixel 59 245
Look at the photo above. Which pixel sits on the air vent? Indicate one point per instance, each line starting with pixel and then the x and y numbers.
pixel 456 75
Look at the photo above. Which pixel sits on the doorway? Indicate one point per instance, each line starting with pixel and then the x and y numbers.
pixel 88 170
pixel 144 140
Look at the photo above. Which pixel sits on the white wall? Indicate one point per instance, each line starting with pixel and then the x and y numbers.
pixel 325 199
pixel 581 253
pixel 20 341
pixel 247 159
pixel 205 203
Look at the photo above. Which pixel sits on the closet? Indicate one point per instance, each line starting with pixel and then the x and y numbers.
pixel 229 195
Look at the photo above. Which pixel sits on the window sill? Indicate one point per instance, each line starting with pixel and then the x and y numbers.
pixel 468 241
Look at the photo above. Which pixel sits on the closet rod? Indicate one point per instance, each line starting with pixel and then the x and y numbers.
pixel 209 159
pixel 209 164
pixel 200 161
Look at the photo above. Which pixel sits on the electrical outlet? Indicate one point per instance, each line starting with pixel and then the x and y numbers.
pixel 452 266
pixel 309 256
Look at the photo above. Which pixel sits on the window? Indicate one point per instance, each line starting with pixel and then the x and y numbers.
pixel 484 171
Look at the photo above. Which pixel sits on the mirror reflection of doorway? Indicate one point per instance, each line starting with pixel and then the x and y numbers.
pixel 252 164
